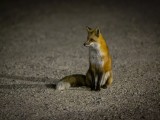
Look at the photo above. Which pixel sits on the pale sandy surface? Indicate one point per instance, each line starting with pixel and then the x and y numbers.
pixel 41 42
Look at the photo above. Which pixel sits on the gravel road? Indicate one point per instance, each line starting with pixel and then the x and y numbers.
pixel 42 41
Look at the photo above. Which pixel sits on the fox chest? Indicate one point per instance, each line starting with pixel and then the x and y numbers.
pixel 95 58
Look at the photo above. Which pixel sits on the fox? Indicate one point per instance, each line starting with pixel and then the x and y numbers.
pixel 99 74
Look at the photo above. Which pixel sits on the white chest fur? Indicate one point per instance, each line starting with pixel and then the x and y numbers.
pixel 95 57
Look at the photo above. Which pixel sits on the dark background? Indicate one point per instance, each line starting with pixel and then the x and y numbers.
pixel 42 41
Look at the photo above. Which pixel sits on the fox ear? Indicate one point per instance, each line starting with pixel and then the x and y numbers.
pixel 97 32
pixel 88 29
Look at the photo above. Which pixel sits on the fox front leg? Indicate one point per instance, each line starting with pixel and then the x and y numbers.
pixel 98 86
pixel 92 81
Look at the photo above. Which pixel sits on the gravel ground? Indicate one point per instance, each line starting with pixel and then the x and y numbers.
pixel 42 41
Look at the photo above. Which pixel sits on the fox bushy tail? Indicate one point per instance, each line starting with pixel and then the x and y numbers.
pixel 71 81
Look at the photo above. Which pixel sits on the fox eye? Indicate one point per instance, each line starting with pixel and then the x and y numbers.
pixel 91 40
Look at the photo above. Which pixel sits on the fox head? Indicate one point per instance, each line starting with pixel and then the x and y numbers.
pixel 93 37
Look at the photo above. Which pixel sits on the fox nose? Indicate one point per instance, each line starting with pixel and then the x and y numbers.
pixel 84 44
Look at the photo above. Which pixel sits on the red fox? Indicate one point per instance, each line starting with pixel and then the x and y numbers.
pixel 99 74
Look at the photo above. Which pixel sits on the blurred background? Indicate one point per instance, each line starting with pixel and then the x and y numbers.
pixel 41 41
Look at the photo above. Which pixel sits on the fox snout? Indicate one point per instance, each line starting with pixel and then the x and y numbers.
pixel 86 44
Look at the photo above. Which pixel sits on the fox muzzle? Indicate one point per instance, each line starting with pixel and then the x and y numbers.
pixel 86 44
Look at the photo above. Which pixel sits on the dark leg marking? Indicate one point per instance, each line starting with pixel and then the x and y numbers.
pixel 93 81
pixel 98 86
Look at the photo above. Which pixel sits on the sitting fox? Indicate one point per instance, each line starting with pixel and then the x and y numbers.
pixel 99 73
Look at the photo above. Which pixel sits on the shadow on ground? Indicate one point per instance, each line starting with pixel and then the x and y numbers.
pixel 38 82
